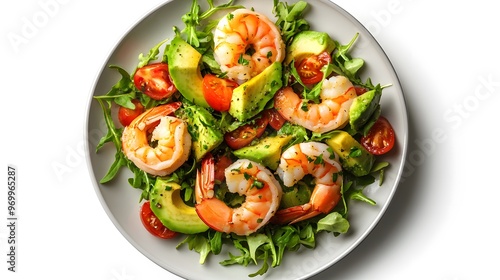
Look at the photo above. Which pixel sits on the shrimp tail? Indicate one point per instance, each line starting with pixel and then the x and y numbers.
pixel 210 211
pixel 295 214
pixel 156 113
pixel 205 179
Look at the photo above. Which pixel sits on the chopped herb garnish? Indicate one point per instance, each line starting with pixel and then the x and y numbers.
pixel 355 152
pixel 319 160
pixel 243 61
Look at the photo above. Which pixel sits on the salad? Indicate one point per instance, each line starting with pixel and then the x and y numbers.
pixel 248 132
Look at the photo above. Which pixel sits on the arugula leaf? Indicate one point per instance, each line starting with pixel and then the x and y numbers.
pixel 353 65
pixel 264 267
pixel 354 186
pixel 152 55
pixel 141 180
pixel 308 236
pixel 113 135
pixel 199 243
pixel 290 19
pixel 211 64
pixel 122 92
pixel 215 240
pixel 347 66
pixel 285 238
pixel 243 259
pixel 270 245
pixel 333 222
pixel 380 167
pixel 358 194
pixel 192 21
pixel 254 242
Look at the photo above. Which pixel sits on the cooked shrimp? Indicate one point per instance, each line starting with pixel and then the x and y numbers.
pixel 245 43
pixel 337 95
pixel 261 190
pixel 310 158
pixel 172 142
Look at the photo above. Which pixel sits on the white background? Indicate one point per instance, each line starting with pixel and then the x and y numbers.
pixel 442 224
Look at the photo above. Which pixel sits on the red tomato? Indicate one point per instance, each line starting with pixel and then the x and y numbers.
pixel 154 80
pixel 309 68
pixel 244 135
pixel 220 166
pixel 218 92
pixel 381 137
pixel 153 224
pixel 276 120
pixel 126 115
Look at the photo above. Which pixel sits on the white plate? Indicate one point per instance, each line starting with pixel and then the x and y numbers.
pixel 120 200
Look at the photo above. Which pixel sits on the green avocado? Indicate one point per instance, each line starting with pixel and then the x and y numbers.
pixel 371 121
pixel 251 97
pixel 266 152
pixel 202 128
pixel 184 68
pixel 353 157
pixel 363 107
pixel 307 43
pixel 168 206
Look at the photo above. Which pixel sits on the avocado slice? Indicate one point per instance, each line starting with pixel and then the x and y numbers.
pixel 353 156
pixel 307 43
pixel 251 97
pixel 168 206
pixel 205 137
pixel 267 152
pixel 363 107
pixel 371 121
pixel 184 68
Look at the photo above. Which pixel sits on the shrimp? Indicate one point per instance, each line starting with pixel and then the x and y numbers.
pixel 250 179
pixel 337 95
pixel 310 158
pixel 246 43
pixel 172 142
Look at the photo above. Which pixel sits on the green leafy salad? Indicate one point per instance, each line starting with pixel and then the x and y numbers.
pixel 246 131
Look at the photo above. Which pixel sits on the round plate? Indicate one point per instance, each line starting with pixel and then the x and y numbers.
pixel 120 200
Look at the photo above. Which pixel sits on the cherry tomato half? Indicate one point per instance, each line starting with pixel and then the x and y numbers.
pixel 218 92
pixel 153 224
pixel 309 68
pixel 244 135
pixel 126 115
pixel 221 163
pixel 154 80
pixel 276 120
pixel 381 137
